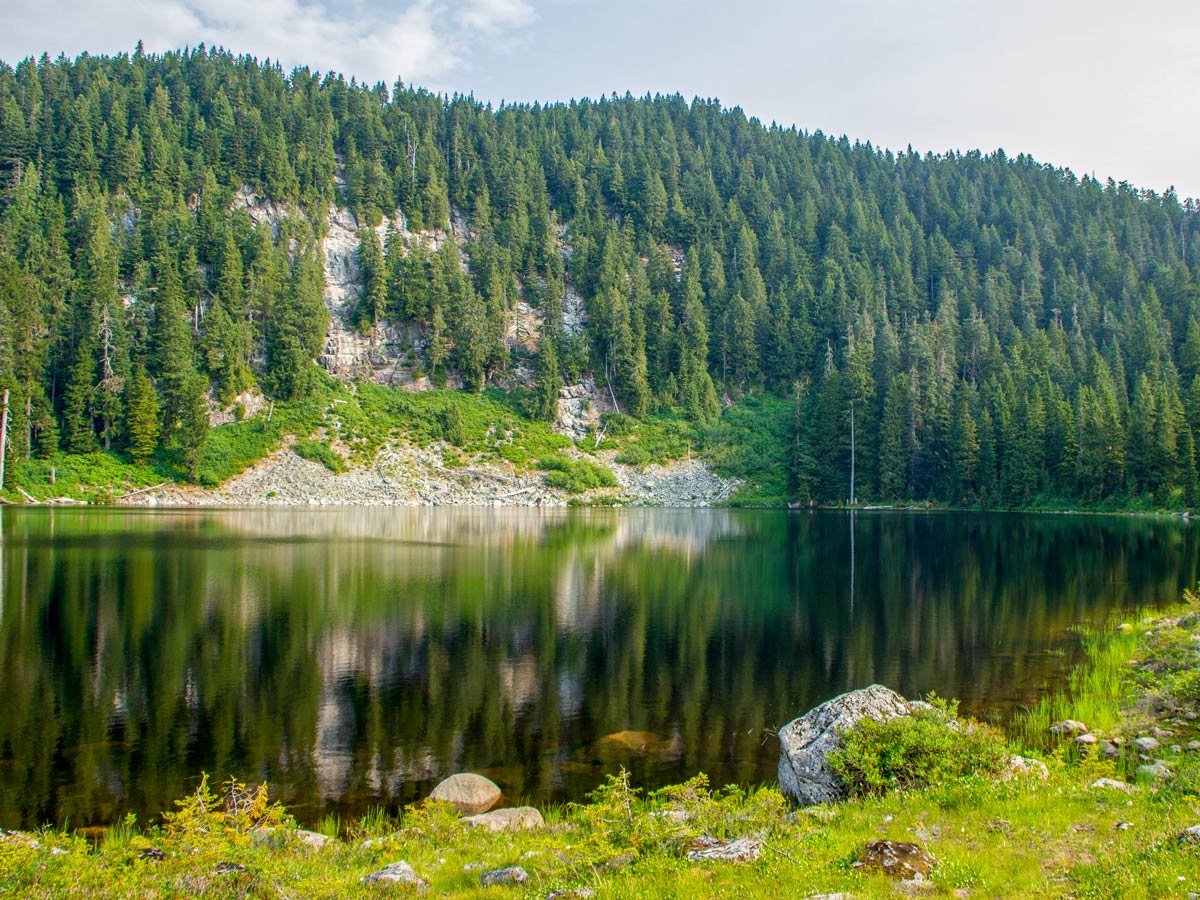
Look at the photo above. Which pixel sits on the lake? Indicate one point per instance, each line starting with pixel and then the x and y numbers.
pixel 353 657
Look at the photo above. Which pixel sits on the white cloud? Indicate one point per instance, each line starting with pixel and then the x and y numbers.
pixel 423 41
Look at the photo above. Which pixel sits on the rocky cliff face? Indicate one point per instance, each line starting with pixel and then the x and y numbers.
pixel 391 353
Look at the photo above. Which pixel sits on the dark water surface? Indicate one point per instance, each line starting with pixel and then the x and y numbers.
pixel 352 657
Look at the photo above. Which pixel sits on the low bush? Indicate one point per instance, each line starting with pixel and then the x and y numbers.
pixel 318 451
pixel 929 748
pixel 575 476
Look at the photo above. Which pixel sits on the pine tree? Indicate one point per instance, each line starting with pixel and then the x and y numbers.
pixel 141 426
pixel 549 380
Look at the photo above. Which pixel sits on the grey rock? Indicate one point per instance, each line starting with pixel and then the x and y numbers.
pixel 1111 749
pixel 897 859
pixel 1022 765
pixel 736 850
pixel 1111 784
pixel 471 794
pixel 806 742
pixel 1145 744
pixel 1190 835
pixel 516 818
pixel 1068 727
pixel 1193 746
pixel 152 854
pixel 1155 771
pixel 313 839
pixel 571 894
pixel 510 875
pixel 398 873
pixel 1086 740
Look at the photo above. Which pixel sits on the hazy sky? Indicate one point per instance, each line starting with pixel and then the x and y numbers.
pixel 1102 86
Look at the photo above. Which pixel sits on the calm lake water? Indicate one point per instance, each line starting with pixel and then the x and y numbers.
pixel 353 657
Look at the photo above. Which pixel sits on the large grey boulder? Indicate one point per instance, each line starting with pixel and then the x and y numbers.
pixel 471 794
pixel 806 742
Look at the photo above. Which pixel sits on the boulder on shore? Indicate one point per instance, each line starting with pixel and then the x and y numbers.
pixel 805 743
pixel 516 818
pixel 471 794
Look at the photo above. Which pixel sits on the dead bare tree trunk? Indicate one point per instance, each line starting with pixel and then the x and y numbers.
pixel 3 438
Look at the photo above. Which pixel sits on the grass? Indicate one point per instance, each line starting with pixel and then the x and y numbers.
pixel 992 836
pixel 92 477
pixel 1096 691
pixel 750 443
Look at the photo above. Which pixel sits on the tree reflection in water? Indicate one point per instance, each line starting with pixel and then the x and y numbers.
pixel 351 657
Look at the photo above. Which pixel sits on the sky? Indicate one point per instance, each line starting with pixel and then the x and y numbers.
pixel 1103 87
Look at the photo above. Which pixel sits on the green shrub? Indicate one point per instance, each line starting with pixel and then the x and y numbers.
pixel 633 456
pixel 575 476
pixel 317 451
pixel 930 747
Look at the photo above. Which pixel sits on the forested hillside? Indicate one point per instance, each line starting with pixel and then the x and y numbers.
pixel 991 330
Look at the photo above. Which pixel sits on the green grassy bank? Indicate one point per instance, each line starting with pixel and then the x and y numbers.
pixel 993 833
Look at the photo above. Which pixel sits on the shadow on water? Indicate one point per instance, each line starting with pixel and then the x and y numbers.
pixel 352 657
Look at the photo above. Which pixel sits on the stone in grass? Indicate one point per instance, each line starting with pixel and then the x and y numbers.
pixel 471 794
pixel 1193 746
pixel 571 894
pixel 1112 784
pixel 511 875
pixel 1190 835
pixel 897 859
pixel 517 818
pixel 1155 771
pixel 1085 741
pixel 152 854
pixel 400 873
pixel 313 839
pixel 1146 744
pixel 1069 728
pixel 229 868
pixel 806 742
pixel 1023 765
pixel 736 850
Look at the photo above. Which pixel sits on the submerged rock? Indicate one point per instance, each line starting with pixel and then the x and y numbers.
pixel 517 818
pixel 471 794
pixel 897 859
pixel 806 742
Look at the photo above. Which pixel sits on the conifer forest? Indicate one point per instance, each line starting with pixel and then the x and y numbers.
pixel 970 329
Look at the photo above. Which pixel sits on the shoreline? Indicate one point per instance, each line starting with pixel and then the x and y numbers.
pixel 1072 823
